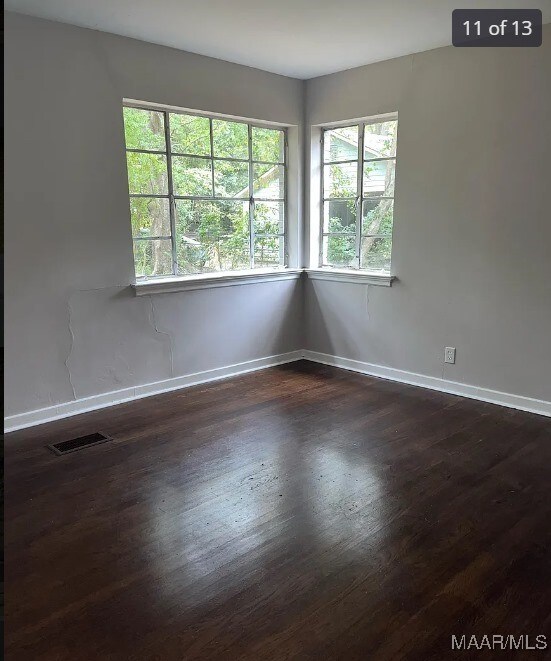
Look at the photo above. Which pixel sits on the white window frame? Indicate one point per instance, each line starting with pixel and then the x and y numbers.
pixel 149 284
pixel 359 198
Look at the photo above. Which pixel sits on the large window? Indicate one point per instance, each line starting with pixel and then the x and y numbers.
pixel 206 194
pixel 357 200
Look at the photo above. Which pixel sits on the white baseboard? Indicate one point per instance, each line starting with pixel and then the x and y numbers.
pixel 520 402
pixel 85 404
pixel 67 409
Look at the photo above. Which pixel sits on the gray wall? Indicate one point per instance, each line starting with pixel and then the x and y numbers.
pixel 73 326
pixel 472 233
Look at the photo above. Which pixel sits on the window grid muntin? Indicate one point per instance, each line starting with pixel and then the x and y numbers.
pixel 348 160
pixel 152 238
pixel 380 158
pixel 217 158
pixel 251 198
pixel 359 198
pixel 171 204
pixel 172 197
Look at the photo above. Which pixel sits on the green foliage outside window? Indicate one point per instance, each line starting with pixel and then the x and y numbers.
pixel 341 250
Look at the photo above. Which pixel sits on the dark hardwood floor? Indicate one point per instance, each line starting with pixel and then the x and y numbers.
pixel 300 512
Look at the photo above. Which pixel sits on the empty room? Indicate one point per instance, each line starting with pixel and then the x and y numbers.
pixel 277 322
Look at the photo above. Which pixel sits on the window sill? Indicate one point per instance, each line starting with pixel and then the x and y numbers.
pixel 188 283
pixel 357 277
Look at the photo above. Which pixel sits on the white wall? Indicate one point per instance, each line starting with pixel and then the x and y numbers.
pixel 73 326
pixel 472 235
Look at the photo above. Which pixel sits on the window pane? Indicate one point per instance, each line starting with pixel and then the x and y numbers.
pixel 375 253
pixel 150 216
pixel 268 251
pixel 377 216
pixel 340 180
pixel 339 216
pixel 379 178
pixel 340 144
pixel 380 139
pixel 144 129
pixel 231 179
pixel 230 139
pixel 153 257
pixel 340 251
pixel 268 145
pixel 212 236
pixel 268 181
pixel 147 173
pixel 192 176
pixel 189 134
pixel 269 217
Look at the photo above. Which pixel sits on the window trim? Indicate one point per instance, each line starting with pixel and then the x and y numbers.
pixel 251 199
pixel 381 277
pixel 353 276
pixel 168 284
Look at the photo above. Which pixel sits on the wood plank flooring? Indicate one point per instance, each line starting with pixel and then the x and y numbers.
pixel 300 512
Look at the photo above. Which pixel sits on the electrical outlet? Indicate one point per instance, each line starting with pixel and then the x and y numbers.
pixel 449 355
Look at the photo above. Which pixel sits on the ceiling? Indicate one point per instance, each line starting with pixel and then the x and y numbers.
pixel 298 38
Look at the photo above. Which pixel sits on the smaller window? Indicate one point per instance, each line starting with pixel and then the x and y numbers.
pixel 357 198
